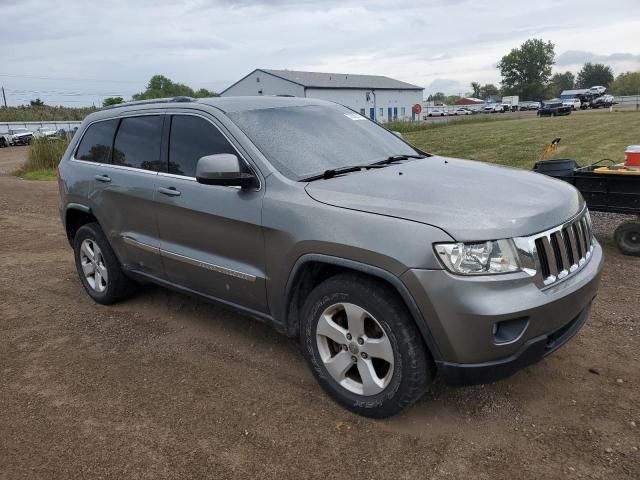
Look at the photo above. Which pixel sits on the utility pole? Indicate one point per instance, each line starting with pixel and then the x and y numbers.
pixel 4 97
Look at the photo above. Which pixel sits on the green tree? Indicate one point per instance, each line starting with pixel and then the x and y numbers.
pixel 160 86
pixel 626 84
pixel 437 97
pixel 560 82
pixel 112 101
pixel 204 93
pixel 593 74
pixel 37 103
pixel 526 70
pixel 488 90
pixel 475 86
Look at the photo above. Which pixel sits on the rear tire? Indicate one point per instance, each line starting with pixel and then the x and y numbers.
pixel 98 267
pixel 363 346
pixel 627 237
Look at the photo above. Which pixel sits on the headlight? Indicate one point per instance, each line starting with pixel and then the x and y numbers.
pixel 484 258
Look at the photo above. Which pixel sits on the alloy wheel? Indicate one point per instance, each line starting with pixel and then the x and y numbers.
pixel 355 349
pixel 93 266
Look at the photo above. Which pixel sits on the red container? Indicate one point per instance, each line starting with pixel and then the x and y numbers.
pixel 632 156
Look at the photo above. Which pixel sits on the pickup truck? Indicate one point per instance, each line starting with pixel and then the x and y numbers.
pixel 552 109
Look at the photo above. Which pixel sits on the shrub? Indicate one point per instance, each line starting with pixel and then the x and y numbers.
pixel 44 154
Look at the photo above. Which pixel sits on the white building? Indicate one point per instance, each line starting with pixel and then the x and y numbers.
pixel 379 98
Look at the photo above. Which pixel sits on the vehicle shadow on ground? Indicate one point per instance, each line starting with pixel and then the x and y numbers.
pixel 441 407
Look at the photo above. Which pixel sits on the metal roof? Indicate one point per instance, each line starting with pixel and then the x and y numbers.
pixel 336 80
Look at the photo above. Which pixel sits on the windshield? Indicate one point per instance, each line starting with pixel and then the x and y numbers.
pixel 20 130
pixel 306 140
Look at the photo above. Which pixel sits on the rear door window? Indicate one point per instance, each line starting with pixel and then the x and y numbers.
pixel 97 141
pixel 192 138
pixel 138 142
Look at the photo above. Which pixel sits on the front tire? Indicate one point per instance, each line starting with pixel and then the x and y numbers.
pixel 98 267
pixel 363 346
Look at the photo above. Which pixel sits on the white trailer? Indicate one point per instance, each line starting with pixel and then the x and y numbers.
pixel 511 104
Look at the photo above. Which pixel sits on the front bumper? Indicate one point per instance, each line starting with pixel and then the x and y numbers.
pixel 461 314
pixel 531 352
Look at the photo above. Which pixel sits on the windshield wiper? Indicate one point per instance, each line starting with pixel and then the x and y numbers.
pixel 332 172
pixel 396 158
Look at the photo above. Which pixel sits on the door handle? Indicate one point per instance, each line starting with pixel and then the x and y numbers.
pixel 103 178
pixel 171 191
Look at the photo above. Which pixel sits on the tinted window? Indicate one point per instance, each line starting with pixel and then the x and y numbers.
pixel 192 138
pixel 138 142
pixel 306 140
pixel 96 143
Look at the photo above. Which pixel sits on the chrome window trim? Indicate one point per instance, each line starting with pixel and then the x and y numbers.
pixel 189 260
pixel 530 257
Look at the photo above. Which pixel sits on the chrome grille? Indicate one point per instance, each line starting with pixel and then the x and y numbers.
pixel 557 253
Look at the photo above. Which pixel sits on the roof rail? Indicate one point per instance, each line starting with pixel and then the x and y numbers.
pixel 150 101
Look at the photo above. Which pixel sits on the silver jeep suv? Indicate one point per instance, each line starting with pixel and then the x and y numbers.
pixel 390 265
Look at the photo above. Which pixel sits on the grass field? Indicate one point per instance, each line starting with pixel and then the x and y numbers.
pixel 586 137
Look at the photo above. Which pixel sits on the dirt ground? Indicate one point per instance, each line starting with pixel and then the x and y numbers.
pixel 163 386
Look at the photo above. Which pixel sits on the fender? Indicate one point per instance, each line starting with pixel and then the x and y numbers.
pixel 369 270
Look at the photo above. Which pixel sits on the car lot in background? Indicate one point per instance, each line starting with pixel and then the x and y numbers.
pixel 462 111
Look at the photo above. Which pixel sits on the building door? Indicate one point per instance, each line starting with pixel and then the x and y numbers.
pixel 389 114
pixel 395 113
pixel 372 113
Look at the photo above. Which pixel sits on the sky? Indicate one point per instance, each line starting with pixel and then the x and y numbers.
pixel 78 52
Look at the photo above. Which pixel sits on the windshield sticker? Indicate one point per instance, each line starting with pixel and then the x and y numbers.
pixel 354 116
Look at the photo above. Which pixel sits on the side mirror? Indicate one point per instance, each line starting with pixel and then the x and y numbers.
pixel 397 134
pixel 223 169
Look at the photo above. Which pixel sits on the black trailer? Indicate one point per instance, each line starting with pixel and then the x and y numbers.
pixel 611 189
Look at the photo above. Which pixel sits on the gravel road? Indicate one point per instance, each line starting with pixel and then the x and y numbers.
pixel 164 386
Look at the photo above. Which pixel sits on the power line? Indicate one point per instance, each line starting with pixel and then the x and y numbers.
pixel 68 79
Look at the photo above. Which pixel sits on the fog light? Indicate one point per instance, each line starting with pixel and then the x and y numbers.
pixel 508 331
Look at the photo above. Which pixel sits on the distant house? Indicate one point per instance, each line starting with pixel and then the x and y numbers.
pixel 377 97
pixel 469 101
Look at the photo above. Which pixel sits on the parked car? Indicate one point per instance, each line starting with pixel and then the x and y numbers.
pixel 573 103
pixel 552 109
pixel 355 242
pixel 19 136
pixel 530 106
pixel 44 132
pixel 437 112
pixel 462 111
pixel 493 109
pixel 598 90
pixel 603 101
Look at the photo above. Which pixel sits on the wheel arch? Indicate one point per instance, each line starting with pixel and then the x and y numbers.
pixel 311 269
pixel 75 216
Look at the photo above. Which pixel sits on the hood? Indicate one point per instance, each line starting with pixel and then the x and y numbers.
pixel 469 200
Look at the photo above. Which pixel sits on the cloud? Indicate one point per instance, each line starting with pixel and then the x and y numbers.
pixel 440 44
pixel 446 85
pixel 619 60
